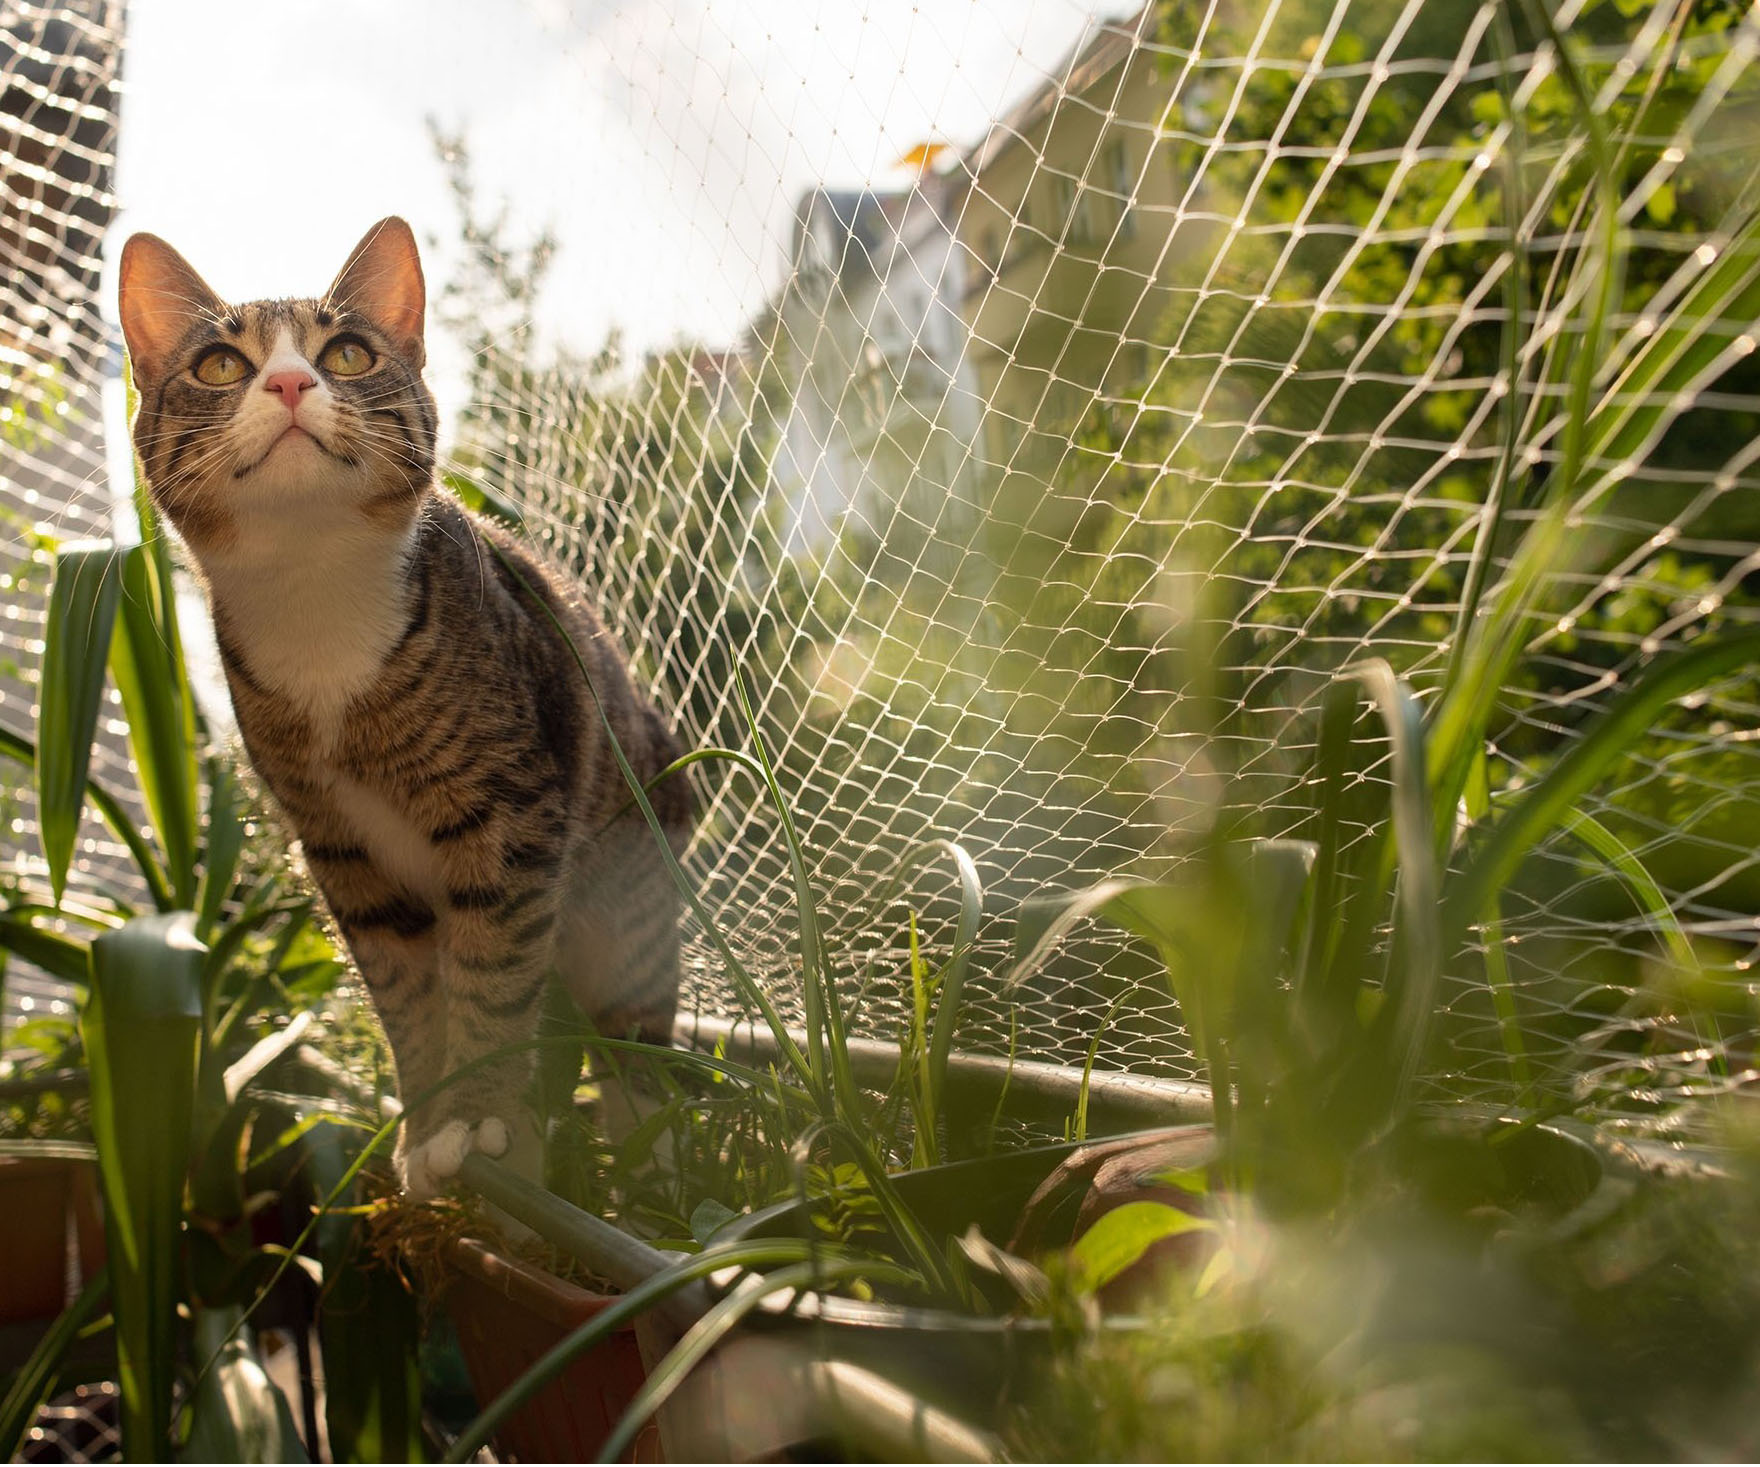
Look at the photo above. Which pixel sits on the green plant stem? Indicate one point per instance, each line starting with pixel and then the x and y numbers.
pixel 1545 804
pixel 824 1015
pixel 1497 975
pixel 1515 294
pixel 1461 717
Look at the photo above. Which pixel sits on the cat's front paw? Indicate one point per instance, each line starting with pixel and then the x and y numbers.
pixel 492 1137
pixel 428 1166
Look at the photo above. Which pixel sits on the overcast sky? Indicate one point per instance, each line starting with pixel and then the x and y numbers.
pixel 665 140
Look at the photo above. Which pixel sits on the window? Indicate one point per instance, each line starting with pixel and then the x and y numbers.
pixel 989 256
pixel 1120 179
pixel 1060 222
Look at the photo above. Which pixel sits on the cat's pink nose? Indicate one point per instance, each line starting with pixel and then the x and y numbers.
pixel 289 385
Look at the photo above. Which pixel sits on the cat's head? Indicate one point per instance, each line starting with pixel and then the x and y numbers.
pixel 287 417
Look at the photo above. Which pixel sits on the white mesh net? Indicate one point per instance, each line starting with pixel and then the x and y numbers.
pixel 1209 330
pixel 59 66
pixel 1052 480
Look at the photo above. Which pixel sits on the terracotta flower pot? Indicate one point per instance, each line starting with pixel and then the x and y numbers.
pixel 508 1314
pixel 41 1198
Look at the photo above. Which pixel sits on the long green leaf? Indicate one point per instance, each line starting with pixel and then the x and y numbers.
pixel 1703 334
pixel 818 997
pixel 147 661
pixel 1497 976
pixel 748 986
pixel 1120 1237
pixel 1545 805
pixel 1481 669
pixel 223 846
pixel 142 1029
pixel 1515 292
pixel 76 649
pixel 1636 878
pixel 959 962
pixel 61 957
pixel 1417 947
pixel 1348 901
pixel 369 1325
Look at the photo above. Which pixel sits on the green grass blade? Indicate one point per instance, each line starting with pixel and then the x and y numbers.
pixel 1497 974
pixel 1480 667
pixel 913 1063
pixel 142 1030
pixel 748 986
pixel 76 649
pixel 1331 768
pixel 1079 1126
pixel 1704 333
pixel 1650 900
pixel 1417 948
pixel 223 846
pixel 146 658
pixel 959 962
pixel 824 1016
pixel 931 1264
pixel 1544 805
pixel 1515 295
pixel 1638 881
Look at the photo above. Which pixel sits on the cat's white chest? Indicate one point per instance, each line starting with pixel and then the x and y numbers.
pixel 315 617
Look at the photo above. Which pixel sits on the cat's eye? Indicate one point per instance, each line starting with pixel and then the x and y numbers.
pixel 221 368
pixel 346 357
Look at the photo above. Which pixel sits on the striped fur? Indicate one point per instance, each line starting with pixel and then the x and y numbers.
pixel 405 694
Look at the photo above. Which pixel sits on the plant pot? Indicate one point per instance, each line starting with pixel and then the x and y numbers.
pixel 508 1314
pixel 971 1365
pixel 46 1204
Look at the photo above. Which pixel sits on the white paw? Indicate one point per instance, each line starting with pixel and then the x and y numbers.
pixel 492 1137
pixel 436 1160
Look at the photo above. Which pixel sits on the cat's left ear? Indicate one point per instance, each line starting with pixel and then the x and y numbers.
pixel 160 300
pixel 383 281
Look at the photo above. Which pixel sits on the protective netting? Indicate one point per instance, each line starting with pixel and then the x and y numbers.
pixel 59 69
pixel 1038 501
pixel 1179 387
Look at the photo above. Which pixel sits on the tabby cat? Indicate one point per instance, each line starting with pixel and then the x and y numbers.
pixel 402 687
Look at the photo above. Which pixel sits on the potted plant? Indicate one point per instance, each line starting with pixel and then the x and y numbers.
pixel 48 1197
pixel 508 1313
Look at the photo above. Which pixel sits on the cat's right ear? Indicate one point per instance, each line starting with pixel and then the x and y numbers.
pixel 159 297
pixel 383 281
